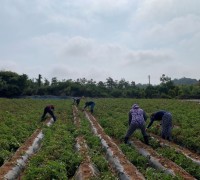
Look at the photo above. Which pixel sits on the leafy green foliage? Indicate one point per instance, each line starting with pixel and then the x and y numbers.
pixel 142 164
pixel 181 160
pixel 95 150
pixel 12 85
pixel 112 114
pixel 57 158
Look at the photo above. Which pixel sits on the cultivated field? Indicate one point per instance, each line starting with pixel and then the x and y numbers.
pixel 84 146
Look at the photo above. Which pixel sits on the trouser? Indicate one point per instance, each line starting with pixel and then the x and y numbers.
pixel 77 102
pixel 92 107
pixel 131 130
pixel 166 126
pixel 47 110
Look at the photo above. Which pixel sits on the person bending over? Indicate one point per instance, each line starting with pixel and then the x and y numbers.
pixel 90 104
pixel 49 109
pixel 166 123
pixel 137 118
pixel 77 100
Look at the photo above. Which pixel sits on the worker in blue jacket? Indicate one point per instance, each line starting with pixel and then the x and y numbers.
pixel 90 104
pixel 166 123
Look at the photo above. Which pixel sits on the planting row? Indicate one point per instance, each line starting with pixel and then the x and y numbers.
pixel 115 123
pixel 94 164
pixel 185 118
pixel 58 159
pixel 19 118
pixel 129 153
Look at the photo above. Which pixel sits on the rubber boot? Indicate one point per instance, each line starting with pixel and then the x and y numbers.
pixel 146 140
pixel 126 140
pixel 169 138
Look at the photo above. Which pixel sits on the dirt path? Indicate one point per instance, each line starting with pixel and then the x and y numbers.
pixel 126 167
pixel 86 170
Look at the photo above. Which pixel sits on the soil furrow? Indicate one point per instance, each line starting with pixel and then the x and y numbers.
pixel 86 169
pixel 163 161
pixel 126 168
pixel 189 154
pixel 14 166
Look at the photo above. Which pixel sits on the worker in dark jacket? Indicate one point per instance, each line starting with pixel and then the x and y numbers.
pixel 137 118
pixel 77 100
pixel 48 109
pixel 166 123
pixel 90 104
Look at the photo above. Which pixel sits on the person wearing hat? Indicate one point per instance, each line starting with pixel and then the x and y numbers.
pixel 166 123
pixel 48 109
pixel 137 118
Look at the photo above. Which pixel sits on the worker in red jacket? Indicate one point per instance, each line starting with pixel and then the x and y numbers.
pixel 48 109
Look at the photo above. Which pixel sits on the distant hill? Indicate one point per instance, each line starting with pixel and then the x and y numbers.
pixel 185 81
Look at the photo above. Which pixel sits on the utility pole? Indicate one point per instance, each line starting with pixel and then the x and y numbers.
pixel 149 79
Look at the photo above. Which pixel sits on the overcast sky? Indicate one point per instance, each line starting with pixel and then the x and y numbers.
pixel 98 39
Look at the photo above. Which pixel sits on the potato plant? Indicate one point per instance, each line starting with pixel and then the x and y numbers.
pixel 142 164
pixel 57 158
pixel 18 120
pixel 181 160
pixel 113 114
pixel 95 150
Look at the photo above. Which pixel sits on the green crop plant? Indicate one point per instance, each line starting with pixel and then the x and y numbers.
pixel 4 155
pixel 19 118
pixel 57 158
pixel 142 164
pixel 185 118
pixel 152 174
pixel 95 150
pixel 181 160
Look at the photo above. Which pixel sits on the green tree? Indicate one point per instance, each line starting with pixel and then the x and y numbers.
pixel 54 81
pixel 12 84
pixel 164 79
pixel 110 83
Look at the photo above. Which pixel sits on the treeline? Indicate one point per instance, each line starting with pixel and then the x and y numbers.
pixel 15 85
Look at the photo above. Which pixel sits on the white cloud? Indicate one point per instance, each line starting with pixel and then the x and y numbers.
pixel 128 39
pixel 163 11
pixel 7 64
pixel 147 58
pixel 175 30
